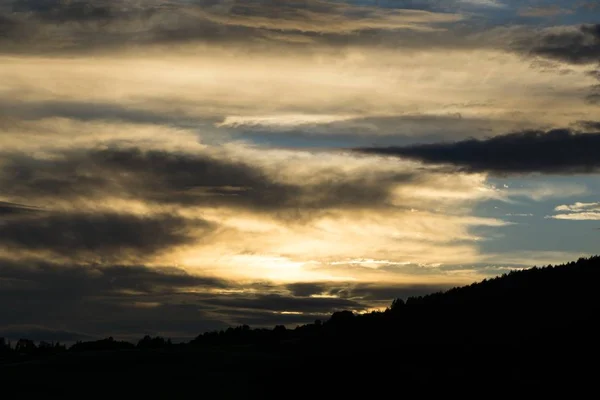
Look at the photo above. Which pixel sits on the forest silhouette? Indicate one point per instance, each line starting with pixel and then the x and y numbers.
pixel 525 328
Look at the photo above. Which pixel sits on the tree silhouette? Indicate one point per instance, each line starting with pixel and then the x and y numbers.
pixel 535 325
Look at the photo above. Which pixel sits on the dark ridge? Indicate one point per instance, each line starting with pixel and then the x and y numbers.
pixel 527 329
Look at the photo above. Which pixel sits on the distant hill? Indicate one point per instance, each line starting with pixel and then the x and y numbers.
pixel 531 327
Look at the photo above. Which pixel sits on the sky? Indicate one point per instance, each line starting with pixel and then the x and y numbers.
pixel 173 167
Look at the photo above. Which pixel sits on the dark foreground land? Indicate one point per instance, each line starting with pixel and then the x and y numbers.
pixel 532 331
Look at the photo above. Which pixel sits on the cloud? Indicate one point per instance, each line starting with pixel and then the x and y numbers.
pixel 20 134
pixel 61 11
pixel 207 134
pixel 367 292
pixel 193 179
pixel 386 293
pixel 335 131
pixel 484 3
pixel 577 45
pixel 581 216
pixel 263 318
pixel 558 151
pixel 100 25
pixel 83 25
pixel 543 11
pixel 316 16
pixel 69 302
pixel 578 212
pixel 282 303
pixel 221 92
pixel 84 111
pixel 240 212
pixel 96 236
pixel 591 125
pixel 574 45
pixel 579 207
pixel 594 74
pixel 308 288
pixel 502 262
pixel 98 301
pixel 542 191
pixel 9 209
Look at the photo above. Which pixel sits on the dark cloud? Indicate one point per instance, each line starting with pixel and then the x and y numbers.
pixel 8 26
pixel 69 280
pixel 63 11
pixel 387 293
pixel 155 175
pixel 368 292
pixel 594 96
pixel 188 179
pixel 281 303
pixel 98 301
pixel 54 25
pixel 11 209
pixel 594 74
pixel 590 125
pixel 578 46
pixel 34 26
pixel 109 236
pixel 259 318
pixel 81 26
pixel 46 301
pixel 88 111
pixel 308 288
pixel 559 151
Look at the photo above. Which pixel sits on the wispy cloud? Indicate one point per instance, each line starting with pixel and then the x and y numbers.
pixel 578 212
pixel 543 11
pixel 52 26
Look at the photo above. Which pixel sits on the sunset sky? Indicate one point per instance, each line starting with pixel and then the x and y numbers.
pixel 172 167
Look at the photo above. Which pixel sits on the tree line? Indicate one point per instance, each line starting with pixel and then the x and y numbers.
pixel 521 304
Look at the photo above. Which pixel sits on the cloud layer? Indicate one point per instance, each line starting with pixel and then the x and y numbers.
pixel 552 152
pixel 168 167
pixel 105 235
pixel 69 302
pixel 48 26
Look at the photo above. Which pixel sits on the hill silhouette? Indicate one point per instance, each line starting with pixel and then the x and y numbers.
pixel 527 329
